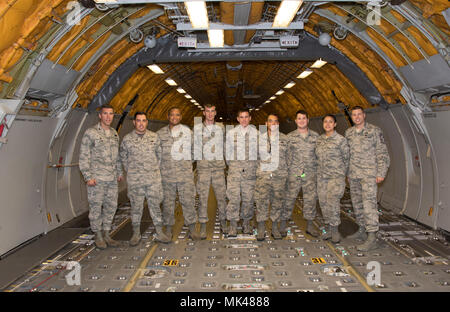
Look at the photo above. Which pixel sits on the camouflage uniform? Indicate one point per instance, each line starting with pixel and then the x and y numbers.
pixel 301 161
pixel 271 177
pixel 242 163
pixel 140 156
pixel 332 163
pixel 210 171
pixel 99 160
pixel 177 174
pixel 369 158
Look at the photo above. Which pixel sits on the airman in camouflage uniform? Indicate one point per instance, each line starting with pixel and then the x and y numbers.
pixel 176 172
pixel 369 163
pixel 100 165
pixel 302 164
pixel 140 153
pixel 271 177
pixel 241 156
pixel 333 155
pixel 209 140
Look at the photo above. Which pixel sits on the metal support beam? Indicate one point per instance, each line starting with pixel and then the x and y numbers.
pixel 167 51
pixel 257 26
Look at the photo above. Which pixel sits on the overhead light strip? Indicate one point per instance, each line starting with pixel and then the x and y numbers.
pixel 198 15
pixel 305 74
pixel 216 38
pixel 156 69
pixel 318 64
pixel 286 13
pixel 171 82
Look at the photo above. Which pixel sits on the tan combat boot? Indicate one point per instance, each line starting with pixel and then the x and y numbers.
pixel 111 242
pixel 261 231
pixel 136 236
pixel 99 241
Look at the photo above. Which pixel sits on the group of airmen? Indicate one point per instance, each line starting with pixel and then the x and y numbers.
pixel 160 165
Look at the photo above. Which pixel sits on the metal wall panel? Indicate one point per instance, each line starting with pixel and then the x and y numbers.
pixel 392 191
pixel 23 163
pixel 439 129
pixel 424 160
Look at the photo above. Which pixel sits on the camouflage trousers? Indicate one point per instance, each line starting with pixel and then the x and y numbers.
pixel 330 192
pixel 103 194
pixel 206 178
pixel 270 190
pixel 240 188
pixel 294 184
pixel 154 195
pixel 186 195
pixel 364 199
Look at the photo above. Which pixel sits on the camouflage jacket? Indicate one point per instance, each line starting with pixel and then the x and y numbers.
pixel 275 162
pixel 210 142
pixel 369 156
pixel 242 150
pixel 333 156
pixel 301 153
pixel 141 157
pixel 99 155
pixel 176 154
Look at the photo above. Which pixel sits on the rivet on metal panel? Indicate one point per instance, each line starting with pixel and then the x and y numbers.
pixel 306 263
pixel 130 267
pixel 208 285
pixel 285 283
pixel 412 284
pixel 311 273
pixel 180 274
pixel 95 277
pixel 281 273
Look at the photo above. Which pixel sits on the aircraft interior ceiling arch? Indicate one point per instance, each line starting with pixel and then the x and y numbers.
pixel 60 60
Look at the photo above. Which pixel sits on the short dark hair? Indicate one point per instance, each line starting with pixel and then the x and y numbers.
pixel 172 108
pixel 105 106
pixel 357 107
pixel 303 112
pixel 209 105
pixel 139 113
pixel 329 115
pixel 242 110
pixel 273 114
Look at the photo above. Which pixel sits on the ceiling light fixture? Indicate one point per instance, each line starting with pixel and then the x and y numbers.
pixel 305 74
pixel 279 92
pixel 198 15
pixel 156 69
pixel 216 38
pixel 286 12
pixel 170 82
pixel 273 97
pixel 289 85
pixel 181 90
pixel 188 96
pixel 318 64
